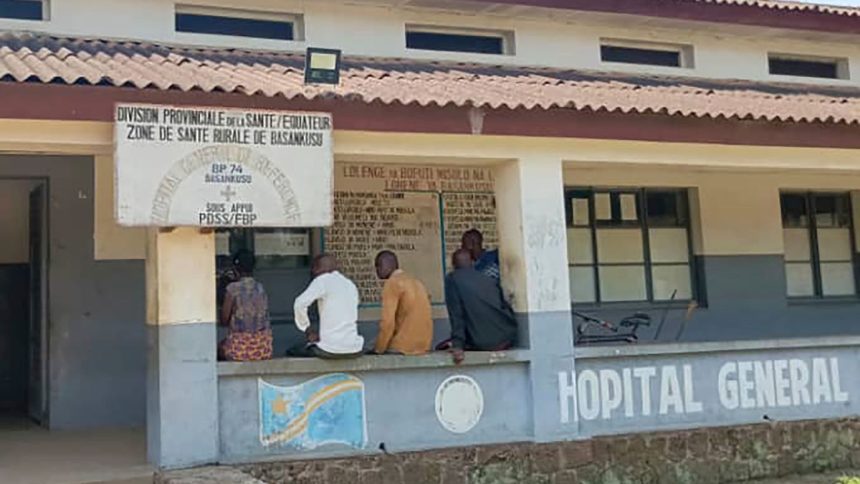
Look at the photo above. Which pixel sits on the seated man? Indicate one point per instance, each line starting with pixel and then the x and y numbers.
pixel 406 326
pixel 337 301
pixel 485 261
pixel 480 317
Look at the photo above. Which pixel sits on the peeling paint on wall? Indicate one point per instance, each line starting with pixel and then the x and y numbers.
pixel 544 236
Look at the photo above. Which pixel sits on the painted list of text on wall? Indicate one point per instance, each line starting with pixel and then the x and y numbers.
pixel 464 211
pixel 364 222
pixel 403 208
pixel 213 167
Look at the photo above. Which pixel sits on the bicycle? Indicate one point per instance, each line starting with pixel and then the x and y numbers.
pixel 627 329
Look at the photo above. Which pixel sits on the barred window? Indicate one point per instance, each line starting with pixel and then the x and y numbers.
pixel 818 239
pixel 629 245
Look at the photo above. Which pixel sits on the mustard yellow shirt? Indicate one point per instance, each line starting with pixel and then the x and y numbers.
pixel 407 324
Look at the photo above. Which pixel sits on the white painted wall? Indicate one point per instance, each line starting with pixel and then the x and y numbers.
pixel 542 38
pixel 15 221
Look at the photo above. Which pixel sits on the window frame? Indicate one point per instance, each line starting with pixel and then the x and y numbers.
pixel 507 38
pixel 295 21
pixel 245 238
pixel 686 55
pixel 46 13
pixel 840 63
pixel 571 192
pixel 809 197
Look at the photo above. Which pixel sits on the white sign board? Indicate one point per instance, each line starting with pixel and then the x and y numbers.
pixel 214 167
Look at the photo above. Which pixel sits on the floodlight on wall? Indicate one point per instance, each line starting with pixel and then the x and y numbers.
pixel 322 66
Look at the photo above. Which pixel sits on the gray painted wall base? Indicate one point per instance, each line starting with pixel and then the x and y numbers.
pixel 550 339
pixel 182 396
pixel 532 397
pixel 399 414
pixel 746 300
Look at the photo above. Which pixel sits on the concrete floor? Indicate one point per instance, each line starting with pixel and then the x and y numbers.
pixel 32 455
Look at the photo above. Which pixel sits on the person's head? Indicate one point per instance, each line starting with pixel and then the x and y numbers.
pixel 323 264
pixel 243 261
pixel 462 259
pixel 386 264
pixel 473 241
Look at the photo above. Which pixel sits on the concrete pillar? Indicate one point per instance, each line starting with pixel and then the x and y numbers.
pixel 533 251
pixel 182 381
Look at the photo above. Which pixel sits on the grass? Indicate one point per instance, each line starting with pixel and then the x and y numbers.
pixel 848 480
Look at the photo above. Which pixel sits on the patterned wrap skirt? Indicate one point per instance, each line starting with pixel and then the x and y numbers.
pixel 247 346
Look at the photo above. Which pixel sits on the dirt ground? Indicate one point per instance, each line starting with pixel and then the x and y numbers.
pixel 829 478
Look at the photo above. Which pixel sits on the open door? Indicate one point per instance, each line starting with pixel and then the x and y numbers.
pixel 38 354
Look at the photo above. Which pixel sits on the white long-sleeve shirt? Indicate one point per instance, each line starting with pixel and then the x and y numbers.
pixel 337 302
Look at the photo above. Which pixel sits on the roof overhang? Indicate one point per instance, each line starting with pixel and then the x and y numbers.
pixel 43 77
pixel 31 101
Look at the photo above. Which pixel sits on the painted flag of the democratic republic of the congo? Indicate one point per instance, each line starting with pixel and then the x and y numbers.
pixel 326 410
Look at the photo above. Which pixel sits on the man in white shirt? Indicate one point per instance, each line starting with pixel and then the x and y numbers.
pixel 337 301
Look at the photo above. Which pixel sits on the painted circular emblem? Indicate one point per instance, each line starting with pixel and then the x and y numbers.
pixel 459 404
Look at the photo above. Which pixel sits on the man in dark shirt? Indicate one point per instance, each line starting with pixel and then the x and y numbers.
pixel 480 317
pixel 485 261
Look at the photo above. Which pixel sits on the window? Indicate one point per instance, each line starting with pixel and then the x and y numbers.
pixel 237 23
pixel 272 248
pixel 628 245
pixel 22 9
pixel 646 53
pixel 455 40
pixel 818 238
pixel 804 66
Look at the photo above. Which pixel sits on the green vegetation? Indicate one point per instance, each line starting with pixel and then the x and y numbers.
pixel 848 480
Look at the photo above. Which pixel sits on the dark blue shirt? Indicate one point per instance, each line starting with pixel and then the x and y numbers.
pixel 488 264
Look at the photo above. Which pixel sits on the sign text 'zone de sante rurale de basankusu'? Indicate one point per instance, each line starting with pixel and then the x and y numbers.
pixel 214 167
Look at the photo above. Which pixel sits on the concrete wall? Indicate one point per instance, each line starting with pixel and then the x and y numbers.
pixel 405 422
pixel 96 333
pixel 611 391
pixel 377 28
pixel 715 384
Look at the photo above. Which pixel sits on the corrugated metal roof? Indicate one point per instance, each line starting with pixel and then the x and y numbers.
pixel 26 57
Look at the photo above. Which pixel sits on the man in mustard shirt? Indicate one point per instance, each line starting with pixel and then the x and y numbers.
pixel 406 326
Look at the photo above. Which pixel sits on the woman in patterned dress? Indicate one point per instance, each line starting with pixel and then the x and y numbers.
pixel 245 312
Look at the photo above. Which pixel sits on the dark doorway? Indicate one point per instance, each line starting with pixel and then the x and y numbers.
pixel 23 299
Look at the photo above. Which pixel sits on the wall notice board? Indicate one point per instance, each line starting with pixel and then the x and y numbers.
pixel 419 212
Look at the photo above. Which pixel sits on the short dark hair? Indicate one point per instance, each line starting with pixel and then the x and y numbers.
pixel 461 258
pixel 474 233
pixel 244 261
pixel 387 254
